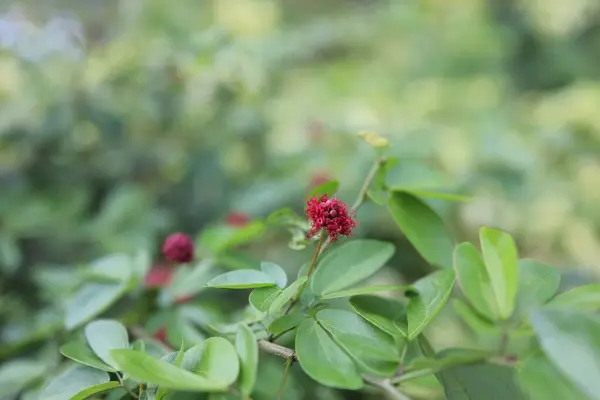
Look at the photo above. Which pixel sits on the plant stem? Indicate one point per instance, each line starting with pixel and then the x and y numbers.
pixel 122 384
pixel 276 349
pixel 362 194
pixel 313 264
pixel 387 387
pixel 311 268
pixel 503 345
pixel 286 372
pixel 412 375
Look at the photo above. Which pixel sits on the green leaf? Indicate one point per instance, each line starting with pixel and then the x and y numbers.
pixel 192 356
pixel 80 352
pixel 571 341
pixel 10 254
pixel 188 280
pixel 145 368
pixel 242 279
pixel 362 290
pixel 583 298
pixel 275 272
pixel 348 264
pixel 219 361
pixel 433 292
pixel 437 195
pixel 353 331
pixel 261 298
pixel 374 351
pixel 77 383
pixel 447 358
pixel 474 280
pixel 285 296
pixel 104 335
pixel 116 267
pixel 174 358
pixel 91 300
pixel 423 228
pixel 542 381
pixel 502 264
pixel 286 322
pixel 323 360
pixel 472 319
pixel 537 284
pixel 328 188
pixel 216 239
pixel 245 343
pixel 480 381
pixel 380 311
pixel 16 375
pixel 180 355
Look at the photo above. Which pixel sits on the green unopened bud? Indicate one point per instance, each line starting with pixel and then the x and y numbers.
pixel 374 140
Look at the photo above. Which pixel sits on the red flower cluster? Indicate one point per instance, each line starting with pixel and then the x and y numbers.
pixel 330 214
pixel 178 248
pixel 237 219
pixel 159 276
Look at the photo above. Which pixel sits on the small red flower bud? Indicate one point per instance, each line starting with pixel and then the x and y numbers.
pixel 184 299
pixel 179 248
pixel 330 214
pixel 161 334
pixel 237 219
pixel 159 276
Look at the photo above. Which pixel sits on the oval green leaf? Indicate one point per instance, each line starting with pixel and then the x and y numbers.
pixel 285 296
pixel 502 264
pixel 474 280
pixel 16 375
pixel 329 188
pixel 77 383
pixel 570 340
pixel 91 300
pixel 242 279
pixel 245 343
pixel 145 368
pixel 323 360
pixel 380 311
pixel 219 361
pixel 423 228
pixel 433 293
pixel 480 381
pixel 275 272
pixel 542 381
pixel 583 298
pixel 262 298
pixel 349 264
pixel 286 323
pixel 104 335
pixel 362 290
pixel 538 282
pixel 374 351
pixel 80 352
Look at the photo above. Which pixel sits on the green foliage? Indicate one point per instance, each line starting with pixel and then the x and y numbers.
pixel 423 227
pixel 77 383
pixel 322 359
pixel 175 126
pixel 349 264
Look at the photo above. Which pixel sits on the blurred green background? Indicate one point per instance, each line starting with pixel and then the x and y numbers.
pixel 122 121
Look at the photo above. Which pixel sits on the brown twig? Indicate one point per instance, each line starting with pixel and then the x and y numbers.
pixel 276 349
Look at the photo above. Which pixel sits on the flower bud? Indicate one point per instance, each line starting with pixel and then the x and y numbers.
pixel 178 247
